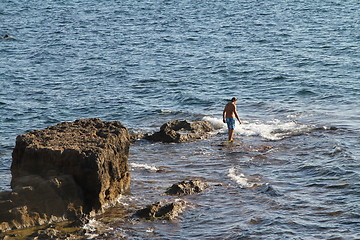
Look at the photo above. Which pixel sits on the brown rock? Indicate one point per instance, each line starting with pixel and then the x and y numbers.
pixel 65 171
pixel 187 187
pixel 182 131
pixel 160 210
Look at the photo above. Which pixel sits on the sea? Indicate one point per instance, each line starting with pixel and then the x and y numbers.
pixel 293 171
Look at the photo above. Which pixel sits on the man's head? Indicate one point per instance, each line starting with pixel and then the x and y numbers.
pixel 234 99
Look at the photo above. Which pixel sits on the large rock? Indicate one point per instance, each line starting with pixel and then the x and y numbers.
pixel 65 171
pixel 182 131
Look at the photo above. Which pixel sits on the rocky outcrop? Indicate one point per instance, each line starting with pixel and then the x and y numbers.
pixel 187 187
pixel 169 211
pixel 182 131
pixel 65 171
pixel 163 211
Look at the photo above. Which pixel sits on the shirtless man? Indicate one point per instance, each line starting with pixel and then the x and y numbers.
pixel 229 115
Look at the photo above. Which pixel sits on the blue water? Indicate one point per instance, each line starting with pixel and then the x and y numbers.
pixel 294 66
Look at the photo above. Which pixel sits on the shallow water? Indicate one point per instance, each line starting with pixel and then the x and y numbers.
pixel 294 66
pixel 294 190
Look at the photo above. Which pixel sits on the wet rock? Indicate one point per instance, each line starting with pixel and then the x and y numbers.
pixel 65 171
pixel 48 233
pixel 136 135
pixel 35 200
pixel 187 187
pixel 160 210
pixel 269 190
pixel 182 131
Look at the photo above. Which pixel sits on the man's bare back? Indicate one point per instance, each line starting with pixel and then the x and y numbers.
pixel 230 110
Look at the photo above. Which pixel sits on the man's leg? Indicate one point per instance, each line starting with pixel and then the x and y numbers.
pixel 231 134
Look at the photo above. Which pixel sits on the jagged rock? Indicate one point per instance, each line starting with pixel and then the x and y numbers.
pixel 160 210
pixel 187 187
pixel 182 131
pixel 65 171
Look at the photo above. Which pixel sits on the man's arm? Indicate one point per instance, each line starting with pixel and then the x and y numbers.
pixel 237 116
pixel 224 115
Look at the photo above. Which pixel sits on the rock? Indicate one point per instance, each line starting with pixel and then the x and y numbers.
pixel 66 171
pixel 182 131
pixel 187 187
pixel 269 190
pixel 136 135
pixel 168 211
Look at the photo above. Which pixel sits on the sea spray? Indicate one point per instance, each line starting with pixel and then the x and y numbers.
pixel 217 123
pixel 270 130
pixel 145 166
pixel 95 228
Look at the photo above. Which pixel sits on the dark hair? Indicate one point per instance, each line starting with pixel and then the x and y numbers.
pixel 234 99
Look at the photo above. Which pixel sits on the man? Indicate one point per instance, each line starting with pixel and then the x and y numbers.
pixel 229 115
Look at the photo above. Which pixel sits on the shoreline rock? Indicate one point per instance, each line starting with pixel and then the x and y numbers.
pixel 171 210
pixel 182 131
pixel 65 172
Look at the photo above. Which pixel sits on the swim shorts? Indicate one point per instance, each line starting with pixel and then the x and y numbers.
pixel 231 123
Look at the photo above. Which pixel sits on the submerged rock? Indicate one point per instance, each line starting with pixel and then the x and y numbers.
pixel 269 190
pixel 65 171
pixel 182 131
pixel 167 211
pixel 187 187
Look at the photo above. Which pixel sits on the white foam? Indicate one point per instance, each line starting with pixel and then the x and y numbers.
pixel 121 200
pixel 165 111
pixel 144 166
pixel 216 122
pixel 271 130
pixel 150 230
pixel 239 178
pixel 94 227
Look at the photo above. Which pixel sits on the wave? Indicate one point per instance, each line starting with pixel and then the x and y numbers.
pixel 217 123
pixel 145 166
pixel 272 130
pixel 305 92
pixel 239 178
pixel 244 182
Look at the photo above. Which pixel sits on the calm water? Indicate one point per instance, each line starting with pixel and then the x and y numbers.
pixel 294 65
